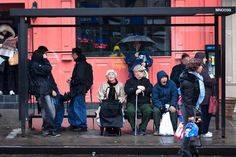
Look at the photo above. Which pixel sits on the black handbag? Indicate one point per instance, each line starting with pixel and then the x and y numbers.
pixel 111 114
pixel 110 108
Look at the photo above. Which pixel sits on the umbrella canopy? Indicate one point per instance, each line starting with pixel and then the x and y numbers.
pixel 134 38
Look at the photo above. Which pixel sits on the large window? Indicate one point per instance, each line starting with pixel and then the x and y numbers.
pixel 98 36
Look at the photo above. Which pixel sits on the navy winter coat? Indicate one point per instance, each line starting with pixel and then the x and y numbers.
pixel 166 94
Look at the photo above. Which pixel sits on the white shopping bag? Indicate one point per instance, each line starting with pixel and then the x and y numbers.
pixel 166 127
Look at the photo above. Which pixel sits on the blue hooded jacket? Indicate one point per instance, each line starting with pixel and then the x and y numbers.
pixel 167 94
pixel 132 61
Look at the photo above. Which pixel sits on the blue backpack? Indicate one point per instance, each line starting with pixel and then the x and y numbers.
pixel 191 130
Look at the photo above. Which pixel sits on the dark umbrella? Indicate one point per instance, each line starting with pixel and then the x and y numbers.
pixel 139 38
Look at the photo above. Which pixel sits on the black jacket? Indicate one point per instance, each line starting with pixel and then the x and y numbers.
pixel 79 84
pixel 190 91
pixel 41 74
pixel 131 87
pixel 53 83
pixel 175 73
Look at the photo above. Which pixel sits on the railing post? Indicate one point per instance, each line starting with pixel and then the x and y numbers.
pixel 23 79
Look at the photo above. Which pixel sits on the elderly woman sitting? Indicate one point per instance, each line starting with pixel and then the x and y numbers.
pixel 111 90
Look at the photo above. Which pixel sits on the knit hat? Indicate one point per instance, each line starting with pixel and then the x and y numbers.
pixel 111 71
pixel 139 68
pixel 200 55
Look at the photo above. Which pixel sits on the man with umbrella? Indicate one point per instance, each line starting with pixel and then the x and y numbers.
pixel 140 57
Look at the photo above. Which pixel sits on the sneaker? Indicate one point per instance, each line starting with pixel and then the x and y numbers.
pixel 45 133
pixel 208 134
pixel 12 92
pixel 55 134
pixel 156 133
pixel 61 129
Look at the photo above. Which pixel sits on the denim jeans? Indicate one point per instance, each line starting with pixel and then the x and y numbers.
pixel 77 115
pixel 48 112
pixel 60 110
pixel 185 146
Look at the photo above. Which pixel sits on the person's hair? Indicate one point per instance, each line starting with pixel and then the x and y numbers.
pixel 77 50
pixel 139 68
pixel 194 64
pixel 42 49
pixel 184 55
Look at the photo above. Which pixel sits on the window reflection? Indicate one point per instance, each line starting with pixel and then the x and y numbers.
pixel 98 36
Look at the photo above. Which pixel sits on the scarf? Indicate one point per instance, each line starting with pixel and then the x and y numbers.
pixel 202 89
pixel 112 90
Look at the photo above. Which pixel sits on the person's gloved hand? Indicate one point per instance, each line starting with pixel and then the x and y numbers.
pixel 191 119
pixel 138 91
pixel 198 113
pixel 163 109
pixel 142 88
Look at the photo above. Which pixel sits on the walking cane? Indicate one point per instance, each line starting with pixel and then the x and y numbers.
pixel 136 115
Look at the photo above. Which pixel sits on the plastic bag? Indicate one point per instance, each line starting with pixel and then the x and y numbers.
pixel 179 133
pixel 213 105
pixel 166 127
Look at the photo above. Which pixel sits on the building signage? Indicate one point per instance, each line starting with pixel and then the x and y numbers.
pixel 224 10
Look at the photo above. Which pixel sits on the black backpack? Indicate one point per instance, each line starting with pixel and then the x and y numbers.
pixel 89 76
